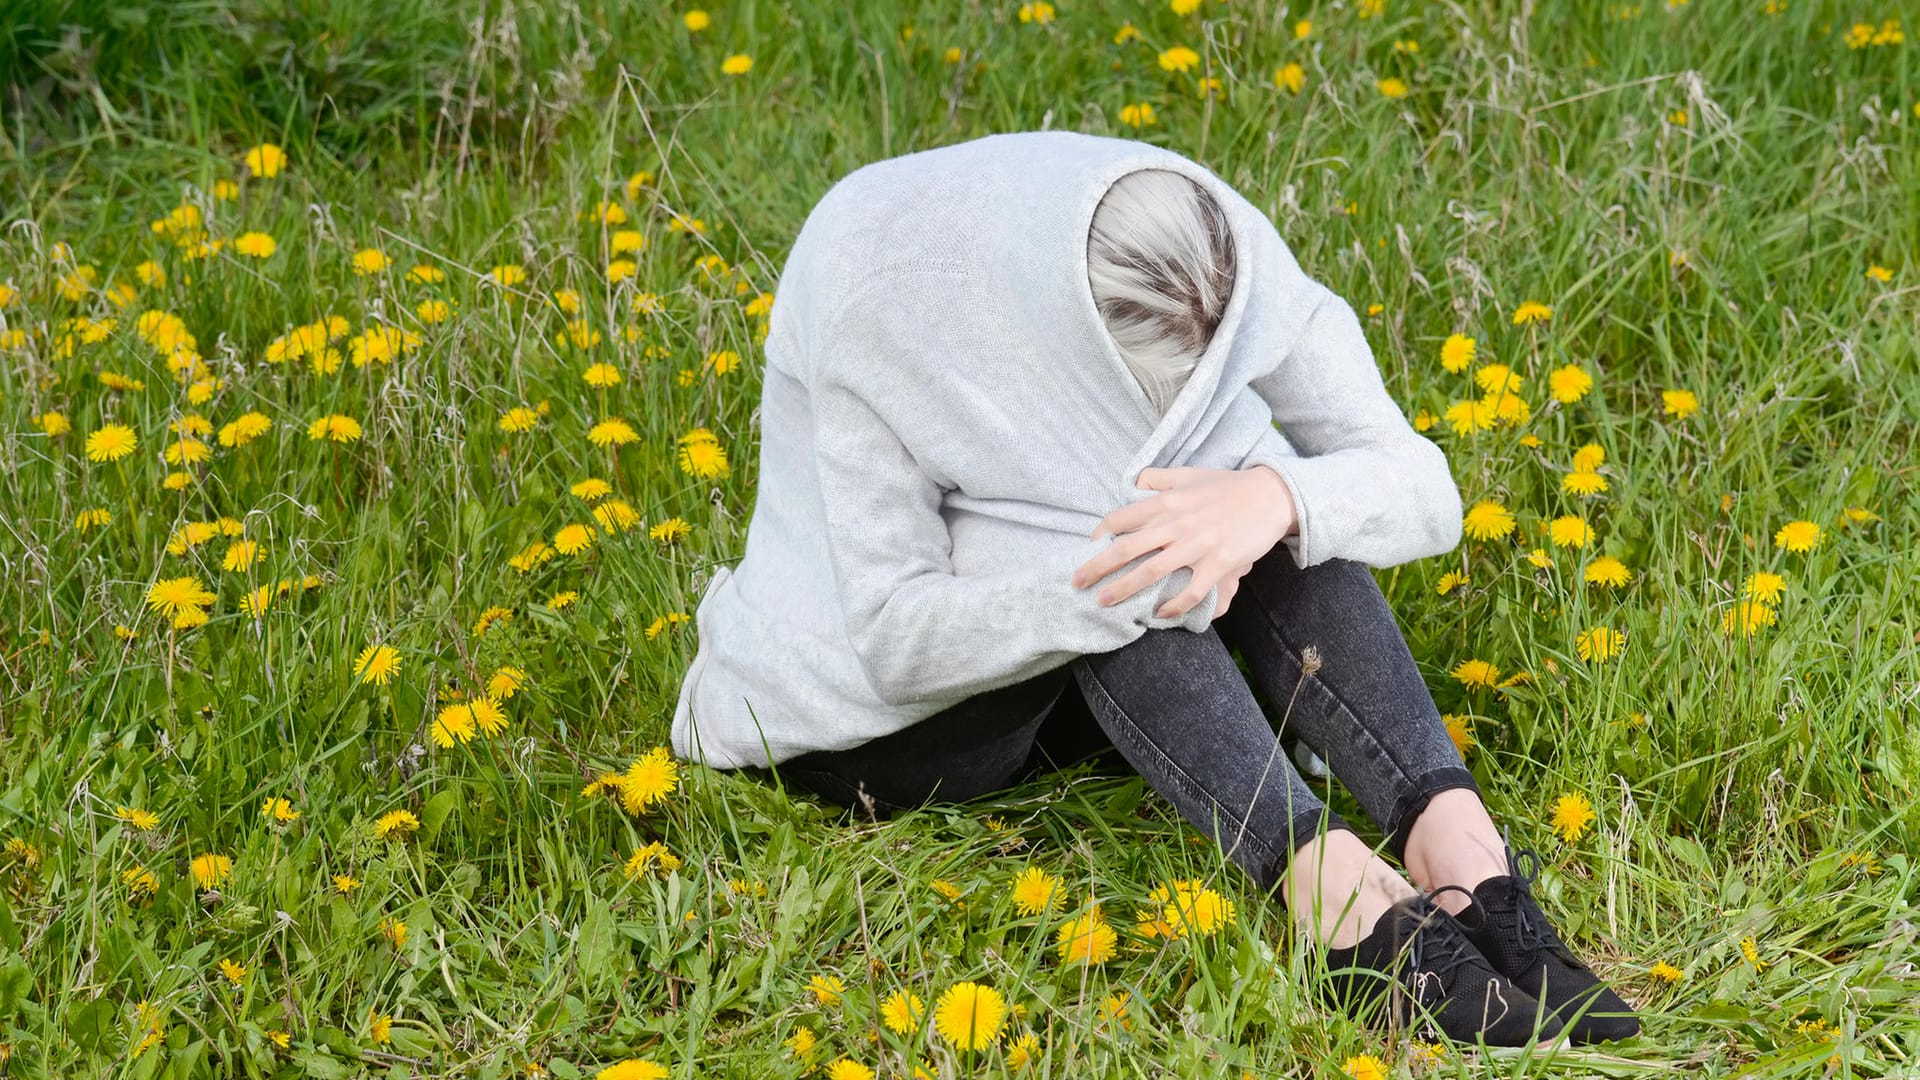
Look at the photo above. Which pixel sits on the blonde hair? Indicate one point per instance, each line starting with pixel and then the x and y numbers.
pixel 1160 261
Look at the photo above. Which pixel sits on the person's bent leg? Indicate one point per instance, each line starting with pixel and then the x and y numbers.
pixel 1178 709
pixel 1324 645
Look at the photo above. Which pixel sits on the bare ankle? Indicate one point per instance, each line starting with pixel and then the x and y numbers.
pixel 1337 889
pixel 1454 842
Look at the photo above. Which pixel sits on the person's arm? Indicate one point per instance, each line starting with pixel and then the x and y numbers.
pixel 1365 486
pixel 920 629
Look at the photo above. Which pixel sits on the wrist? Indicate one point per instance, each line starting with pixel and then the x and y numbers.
pixel 1281 496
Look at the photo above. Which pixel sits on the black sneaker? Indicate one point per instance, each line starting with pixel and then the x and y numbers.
pixel 1509 929
pixel 1419 960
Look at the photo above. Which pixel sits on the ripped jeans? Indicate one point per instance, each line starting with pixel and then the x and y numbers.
pixel 1321 644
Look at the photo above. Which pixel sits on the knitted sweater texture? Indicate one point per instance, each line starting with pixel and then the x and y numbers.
pixel 944 419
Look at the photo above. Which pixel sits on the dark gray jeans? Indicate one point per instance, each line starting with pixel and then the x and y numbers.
pixel 1178 710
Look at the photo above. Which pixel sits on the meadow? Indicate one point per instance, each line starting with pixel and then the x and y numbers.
pixel 377 394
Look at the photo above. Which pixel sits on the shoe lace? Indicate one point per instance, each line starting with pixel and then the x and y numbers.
pixel 1535 933
pixel 1435 950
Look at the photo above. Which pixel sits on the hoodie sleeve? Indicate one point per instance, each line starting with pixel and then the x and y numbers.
pixel 921 630
pixel 1365 485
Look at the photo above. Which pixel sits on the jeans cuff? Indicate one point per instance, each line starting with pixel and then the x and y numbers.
pixel 1408 807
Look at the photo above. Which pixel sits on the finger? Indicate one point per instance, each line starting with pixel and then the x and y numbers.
pixel 1148 572
pixel 1204 578
pixel 1130 517
pixel 1228 589
pixel 1119 553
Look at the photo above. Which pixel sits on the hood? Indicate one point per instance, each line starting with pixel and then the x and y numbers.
pixel 990 238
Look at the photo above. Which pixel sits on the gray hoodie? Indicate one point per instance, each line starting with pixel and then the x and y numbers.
pixel 944 419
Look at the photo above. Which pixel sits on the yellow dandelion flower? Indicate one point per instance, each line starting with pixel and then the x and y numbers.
pixel 1178 58
pixel 1488 520
pixel 143 820
pixel 1450 581
pixel 1530 312
pixel 703 458
pixel 1798 536
pixel 344 884
pixel 1572 815
pixel 1467 417
pixel 1140 114
pixel 970 1015
pixel 172 596
pixel 573 539
pixel 531 556
pixel 1035 890
pixel 670 531
pixel 1290 77
pixel 111 443
pixel 1569 383
pixel 1087 939
pixel 1476 673
pixel 257 245
pixel 1583 483
pixel 335 428
pixel 1750 951
pixel 612 432
pixel 505 682
pixel 1609 571
pixel 616 516
pixel 1364 1067
pixel 210 871
pixel 1599 643
pixel 1765 586
pixel 1748 616
pixel 1679 404
pixel 1457 352
pixel 266 160
pixel 1666 973
pixel 649 779
pixel 903 1012
pixel 370 261
pixel 1392 87
pixel 396 825
pixel 1570 530
pixel 848 1069
pixel 456 723
pixel 244 429
pixel 279 811
pixel 654 856
pixel 737 64
pixel 826 989
pixel 1039 12
pixel 518 419
pixel 488 716
pixel 1460 730
pixel 376 664
pixel 140 884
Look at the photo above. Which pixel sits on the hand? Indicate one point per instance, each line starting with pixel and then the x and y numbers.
pixel 1216 521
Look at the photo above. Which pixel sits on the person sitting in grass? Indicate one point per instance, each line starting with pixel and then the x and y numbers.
pixel 1022 499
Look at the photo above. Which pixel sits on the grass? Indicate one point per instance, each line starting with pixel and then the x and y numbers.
pixel 1698 192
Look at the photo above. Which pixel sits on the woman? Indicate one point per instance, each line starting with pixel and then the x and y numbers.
pixel 1021 492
